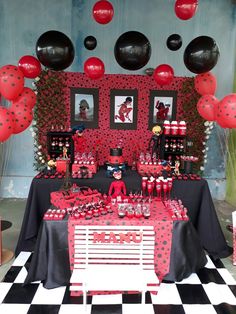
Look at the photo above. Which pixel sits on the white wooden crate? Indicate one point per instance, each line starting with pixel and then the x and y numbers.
pixel 114 258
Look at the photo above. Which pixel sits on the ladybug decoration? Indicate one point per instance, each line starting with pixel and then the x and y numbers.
pixel 6 124
pixel 23 117
pixel 11 81
pixel 226 111
pixel 27 97
pixel 206 107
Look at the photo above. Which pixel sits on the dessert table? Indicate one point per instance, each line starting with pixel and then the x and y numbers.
pixel 195 195
pixel 178 251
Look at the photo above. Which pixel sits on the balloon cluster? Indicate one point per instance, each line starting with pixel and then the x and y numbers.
pixel 102 13
pixel 19 115
pixel 56 52
pixel 209 107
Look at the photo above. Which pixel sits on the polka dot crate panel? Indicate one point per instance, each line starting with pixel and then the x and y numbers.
pixel 132 140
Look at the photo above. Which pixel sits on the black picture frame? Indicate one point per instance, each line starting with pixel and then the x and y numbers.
pixel 166 98
pixel 123 109
pixel 84 106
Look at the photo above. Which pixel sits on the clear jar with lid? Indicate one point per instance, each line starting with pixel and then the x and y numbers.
pixel 174 128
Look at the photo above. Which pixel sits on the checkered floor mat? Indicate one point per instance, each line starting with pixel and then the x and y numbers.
pixel 212 290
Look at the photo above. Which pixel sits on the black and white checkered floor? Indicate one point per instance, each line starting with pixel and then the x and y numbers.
pixel 211 290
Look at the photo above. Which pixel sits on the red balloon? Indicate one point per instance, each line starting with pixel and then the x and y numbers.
pixel 205 83
pixel 226 111
pixel 206 107
pixel 27 97
pixel 185 9
pixel 103 12
pixel 6 124
pixel 222 124
pixel 11 81
pixel 23 117
pixel 30 66
pixel 94 68
pixel 163 74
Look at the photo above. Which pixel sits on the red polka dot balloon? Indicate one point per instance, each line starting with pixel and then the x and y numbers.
pixel 23 116
pixel 27 97
pixel 226 111
pixel 205 83
pixel 103 12
pixel 206 107
pixel 94 68
pixel 11 81
pixel 6 124
pixel 222 124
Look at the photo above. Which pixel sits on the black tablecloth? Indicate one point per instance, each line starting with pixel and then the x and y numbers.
pixel 194 194
pixel 50 263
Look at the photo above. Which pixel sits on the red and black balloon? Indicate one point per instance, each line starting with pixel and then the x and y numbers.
pixel 11 81
pixel 226 111
pixel 7 121
pixel 23 116
pixel 205 83
pixel 206 107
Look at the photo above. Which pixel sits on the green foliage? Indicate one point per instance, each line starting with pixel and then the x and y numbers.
pixel 195 123
pixel 50 111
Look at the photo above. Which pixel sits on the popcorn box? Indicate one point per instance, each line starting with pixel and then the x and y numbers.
pixel 92 168
pixel 66 199
pixel 144 168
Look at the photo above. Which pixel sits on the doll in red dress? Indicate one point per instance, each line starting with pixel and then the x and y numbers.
pixel 118 185
pixel 79 140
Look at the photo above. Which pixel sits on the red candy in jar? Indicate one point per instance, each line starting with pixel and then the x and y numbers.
pixel 182 128
pixel 167 127
pixel 174 128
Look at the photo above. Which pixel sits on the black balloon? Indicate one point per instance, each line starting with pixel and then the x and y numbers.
pixel 174 42
pixel 55 50
pixel 201 54
pixel 90 42
pixel 132 50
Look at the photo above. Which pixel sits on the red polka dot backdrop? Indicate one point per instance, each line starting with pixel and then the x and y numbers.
pixel 103 138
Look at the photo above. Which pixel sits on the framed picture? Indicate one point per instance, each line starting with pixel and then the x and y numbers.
pixel 123 114
pixel 162 106
pixel 84 104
